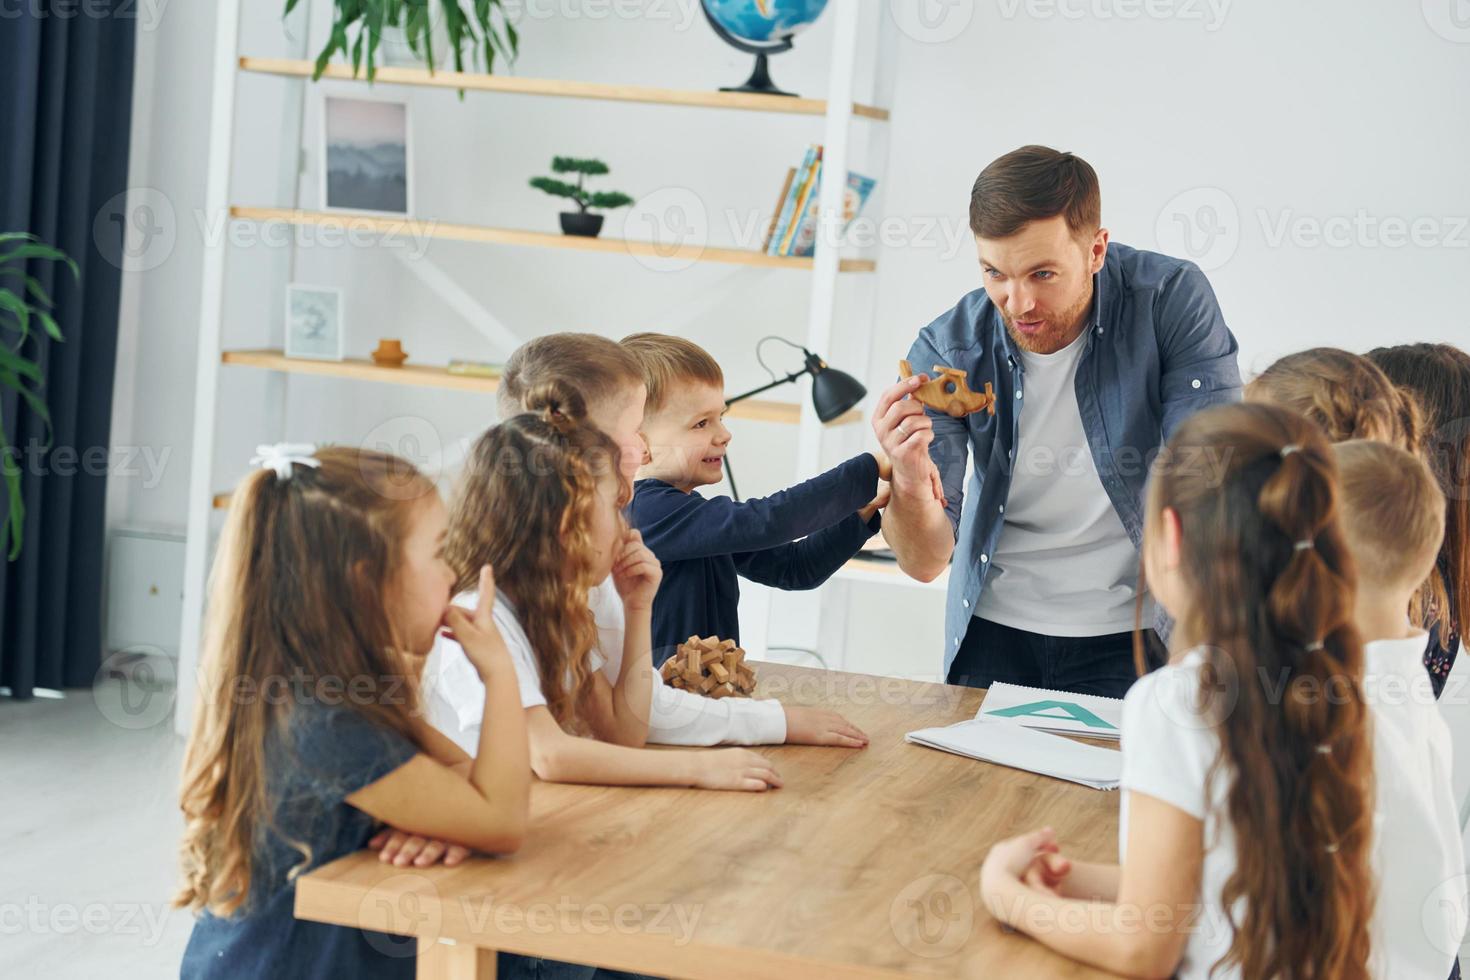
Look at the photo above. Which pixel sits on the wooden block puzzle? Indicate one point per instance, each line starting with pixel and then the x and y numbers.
pixel 710 666
pixel 949 392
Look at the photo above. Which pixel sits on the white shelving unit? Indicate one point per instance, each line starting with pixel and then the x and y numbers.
pixel 840 112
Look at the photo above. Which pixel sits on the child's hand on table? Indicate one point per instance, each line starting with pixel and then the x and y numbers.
pixel 399 848
pixel 1031 859
pixel 1047 872
pixel 738 769
pixel 817 726
pixel 636 572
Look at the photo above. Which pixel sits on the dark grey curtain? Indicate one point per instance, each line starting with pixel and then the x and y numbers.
pixel 66 81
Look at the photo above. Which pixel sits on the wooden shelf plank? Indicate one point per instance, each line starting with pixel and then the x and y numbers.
pixel 560 88
pixel 419 229
pixel 360 369
pixel 425 376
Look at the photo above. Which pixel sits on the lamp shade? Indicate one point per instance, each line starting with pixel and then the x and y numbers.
pixel 834 392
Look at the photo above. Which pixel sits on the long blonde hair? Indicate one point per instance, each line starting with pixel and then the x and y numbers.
pixel 524 506
pixel 297 592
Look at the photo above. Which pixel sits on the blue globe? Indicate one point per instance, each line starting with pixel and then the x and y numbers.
pixel 761 21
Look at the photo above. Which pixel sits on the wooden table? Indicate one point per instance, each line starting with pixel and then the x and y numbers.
pixel 866 864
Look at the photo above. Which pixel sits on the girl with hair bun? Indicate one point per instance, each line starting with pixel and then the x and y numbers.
pixel 1246 823
pixel 541 502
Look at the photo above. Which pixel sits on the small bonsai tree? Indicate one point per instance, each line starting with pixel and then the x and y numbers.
pixel 585 199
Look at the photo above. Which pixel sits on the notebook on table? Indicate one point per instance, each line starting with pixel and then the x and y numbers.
pixel 1054 711
pixel 1005 743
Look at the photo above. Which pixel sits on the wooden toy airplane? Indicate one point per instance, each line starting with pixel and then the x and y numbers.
pixel 949 392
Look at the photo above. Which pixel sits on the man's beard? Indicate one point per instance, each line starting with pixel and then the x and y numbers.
pixel 1058 332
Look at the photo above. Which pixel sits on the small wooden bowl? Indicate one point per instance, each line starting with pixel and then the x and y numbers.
pixel 389 354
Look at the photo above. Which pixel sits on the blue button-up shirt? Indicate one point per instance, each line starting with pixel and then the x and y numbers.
pixel 1157 351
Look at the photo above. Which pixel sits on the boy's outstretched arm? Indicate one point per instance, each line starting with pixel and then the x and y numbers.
pixel 680 526
pixel 807 563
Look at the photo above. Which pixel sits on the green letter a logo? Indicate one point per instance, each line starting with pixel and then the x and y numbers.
pixel 1049 709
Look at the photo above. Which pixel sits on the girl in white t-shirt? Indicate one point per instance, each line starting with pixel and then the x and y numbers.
pixel 540 502
pixel 1255 732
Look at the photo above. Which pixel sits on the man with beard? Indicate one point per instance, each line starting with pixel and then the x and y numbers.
pixel 1096 351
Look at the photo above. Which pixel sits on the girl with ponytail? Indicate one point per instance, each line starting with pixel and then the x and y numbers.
pixel 327 592
pixel 1246 817
pixel 541 501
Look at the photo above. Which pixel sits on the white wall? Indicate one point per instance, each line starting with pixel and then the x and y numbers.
pixel 1305 112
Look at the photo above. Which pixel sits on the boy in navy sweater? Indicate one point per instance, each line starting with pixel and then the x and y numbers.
pixel 705 543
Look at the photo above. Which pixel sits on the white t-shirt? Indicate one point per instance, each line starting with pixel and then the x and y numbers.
pixel 1169 745
pixel 1420 916
pixel 455 696
pixel 1063 565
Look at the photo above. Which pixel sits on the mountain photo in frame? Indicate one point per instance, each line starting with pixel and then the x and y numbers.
pixel 314 322
pixel 366 153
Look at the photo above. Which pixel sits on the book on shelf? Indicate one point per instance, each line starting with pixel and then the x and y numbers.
pixel 855 195
pixel 793 229
pixel 805 193
pixel 793 193
pixel 776 211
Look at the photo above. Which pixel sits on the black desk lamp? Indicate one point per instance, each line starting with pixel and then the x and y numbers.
pixel 833 391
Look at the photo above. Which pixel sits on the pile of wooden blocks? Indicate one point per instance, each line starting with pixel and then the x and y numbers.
pixel 710 666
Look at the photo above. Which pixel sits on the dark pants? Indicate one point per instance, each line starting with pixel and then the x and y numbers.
pixel 512 966
pixel 1102 665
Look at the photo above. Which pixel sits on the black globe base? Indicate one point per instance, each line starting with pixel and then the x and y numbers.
pixel 759 81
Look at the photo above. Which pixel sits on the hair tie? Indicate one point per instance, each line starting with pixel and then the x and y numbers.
pixel 1314 646
pixel 1289 449
pixel 1305 544
pixel 282 456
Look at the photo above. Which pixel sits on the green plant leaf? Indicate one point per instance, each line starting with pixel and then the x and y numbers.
pixel 373 24
pixel 48 324
pixel 609 199
pixel 481 26
pixel 33 286
pixel 558 188
pixel 36 251
pixel 18 372
pixel 18 308
pixel 15 517
pixel 32 397
pixel 513 36
pixel 574 165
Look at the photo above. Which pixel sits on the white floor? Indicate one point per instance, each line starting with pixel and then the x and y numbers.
pixel 90 826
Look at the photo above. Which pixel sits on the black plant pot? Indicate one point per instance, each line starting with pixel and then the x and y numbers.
pixel 582 223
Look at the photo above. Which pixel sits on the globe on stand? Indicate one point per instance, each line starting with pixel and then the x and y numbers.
pixel 761 28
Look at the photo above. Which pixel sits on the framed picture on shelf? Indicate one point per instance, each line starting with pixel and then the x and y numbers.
pixel 367 154
pixel 314 322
